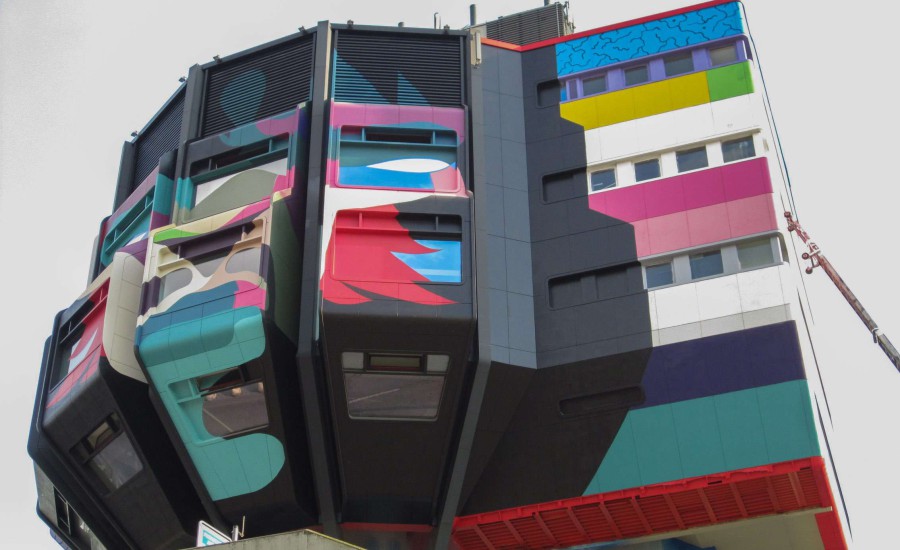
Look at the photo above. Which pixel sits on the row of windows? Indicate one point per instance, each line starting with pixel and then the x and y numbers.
pixel 733 258
pixel 654 69
pixel 685 160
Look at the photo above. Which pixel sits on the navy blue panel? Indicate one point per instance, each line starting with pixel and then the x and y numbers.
pixel 724 363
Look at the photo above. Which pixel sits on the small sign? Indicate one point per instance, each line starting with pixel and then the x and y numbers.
pixel 207 535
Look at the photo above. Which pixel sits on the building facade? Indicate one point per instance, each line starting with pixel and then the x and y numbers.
pixel 425 288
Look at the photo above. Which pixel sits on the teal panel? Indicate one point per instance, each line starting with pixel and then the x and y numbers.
pixel 699 441
pixel 620 466
pixel 745 441
pixel 179 354
pixel 787 420
pixel 162 195
pixel 656 442
pixel 714 434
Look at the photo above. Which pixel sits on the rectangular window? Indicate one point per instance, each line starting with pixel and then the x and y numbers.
pixel 636 75
pixel 691 159
pixel 706 264
pixel 603 179
pixel 232 405
pixel 723 55
pixel 394 386
pixel 108 453
pixel 646 170
pixel 755 253
pixel 659 275
pixel 738 149
pixel 594 85
pixel 679 64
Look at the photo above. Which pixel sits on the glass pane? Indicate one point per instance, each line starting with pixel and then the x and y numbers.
pixel 738 149
pixel 395 362
pixel 173 281
pixel 393 395
pixel 437 363
pixel 603 179
pixel 245 260
pixel 64 364
pixel 353 360
pixel 116 463
pixel 723 55
pixel 706 264
pixel 692 159
pixel 636 75
pixel 659 275
pixel 646 170
pixel 210 264
pixel 755 253
pixel 679 64
pixel 594 85
pixel 235 409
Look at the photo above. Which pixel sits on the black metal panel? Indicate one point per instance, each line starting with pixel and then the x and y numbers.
pixel 258 85
pixel 160 137
pixel 398 69
pixel 530 26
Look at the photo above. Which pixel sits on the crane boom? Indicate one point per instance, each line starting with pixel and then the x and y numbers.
pixel 817 259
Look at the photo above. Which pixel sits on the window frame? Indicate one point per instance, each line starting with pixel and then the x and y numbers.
pixel 703 148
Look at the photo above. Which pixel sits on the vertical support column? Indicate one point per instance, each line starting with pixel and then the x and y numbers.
pixel 309 361
pixel 451 503
pixel 190 120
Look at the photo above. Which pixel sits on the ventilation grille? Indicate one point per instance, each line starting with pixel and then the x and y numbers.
pixel 531 26
pixel 160 137
pixel 257 86
pixel 396 69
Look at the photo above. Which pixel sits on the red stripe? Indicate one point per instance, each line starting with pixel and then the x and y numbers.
pixel 659 508
pixel 598 30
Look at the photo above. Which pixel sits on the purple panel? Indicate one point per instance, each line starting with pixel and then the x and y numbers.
pixel 724 363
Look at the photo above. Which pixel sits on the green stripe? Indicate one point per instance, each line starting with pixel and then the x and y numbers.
pixel 708 435
pixel 729 81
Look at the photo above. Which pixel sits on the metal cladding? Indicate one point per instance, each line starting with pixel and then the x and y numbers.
pixel 425 289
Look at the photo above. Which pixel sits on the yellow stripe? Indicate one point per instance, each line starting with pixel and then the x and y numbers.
pixel 641 101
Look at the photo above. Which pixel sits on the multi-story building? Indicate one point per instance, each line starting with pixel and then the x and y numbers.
pixel 426 288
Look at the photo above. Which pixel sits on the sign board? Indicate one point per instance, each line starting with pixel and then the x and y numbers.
pixel 207 535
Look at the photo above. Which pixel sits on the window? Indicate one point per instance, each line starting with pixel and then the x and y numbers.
pixel 646 170
pixel 603 179
pixel 173 281
pixel 594 85
pixel 394 385
pixel 679 64
pixel 706 264
pixel 756 253
pixel 659 275
pixel 548 93
pixel 231 403
pixel 738 149
pixel 691 159
pixel 636 75
pixel 108 453
pixel 723 55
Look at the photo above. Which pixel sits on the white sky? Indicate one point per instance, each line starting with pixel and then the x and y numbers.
pixel 77 77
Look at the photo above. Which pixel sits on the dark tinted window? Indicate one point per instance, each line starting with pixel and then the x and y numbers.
pixel 235 409
pixel 691 159
pixel 738 149
pixel 646 170
pixel 603 179
pixel 659 275
pixel 706 264
pixel 723 55
pixel 594 85
pixel 636 75
pixel 679 64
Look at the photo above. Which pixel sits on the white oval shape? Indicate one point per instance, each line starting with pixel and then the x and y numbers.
pixel 415 166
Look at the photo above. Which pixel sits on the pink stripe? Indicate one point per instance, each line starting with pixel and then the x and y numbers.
pixel 249 294
pixel 365 115
pixel 706 225
pixel 685 192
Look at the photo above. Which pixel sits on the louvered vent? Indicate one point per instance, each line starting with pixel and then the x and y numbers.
pixel 259 85
pixel 398 69
pixel 160 137
pixel 531 26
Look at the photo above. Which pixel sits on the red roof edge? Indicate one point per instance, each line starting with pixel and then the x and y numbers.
pixel 598 30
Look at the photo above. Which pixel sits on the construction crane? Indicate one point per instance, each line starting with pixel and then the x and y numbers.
pixel 817 259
